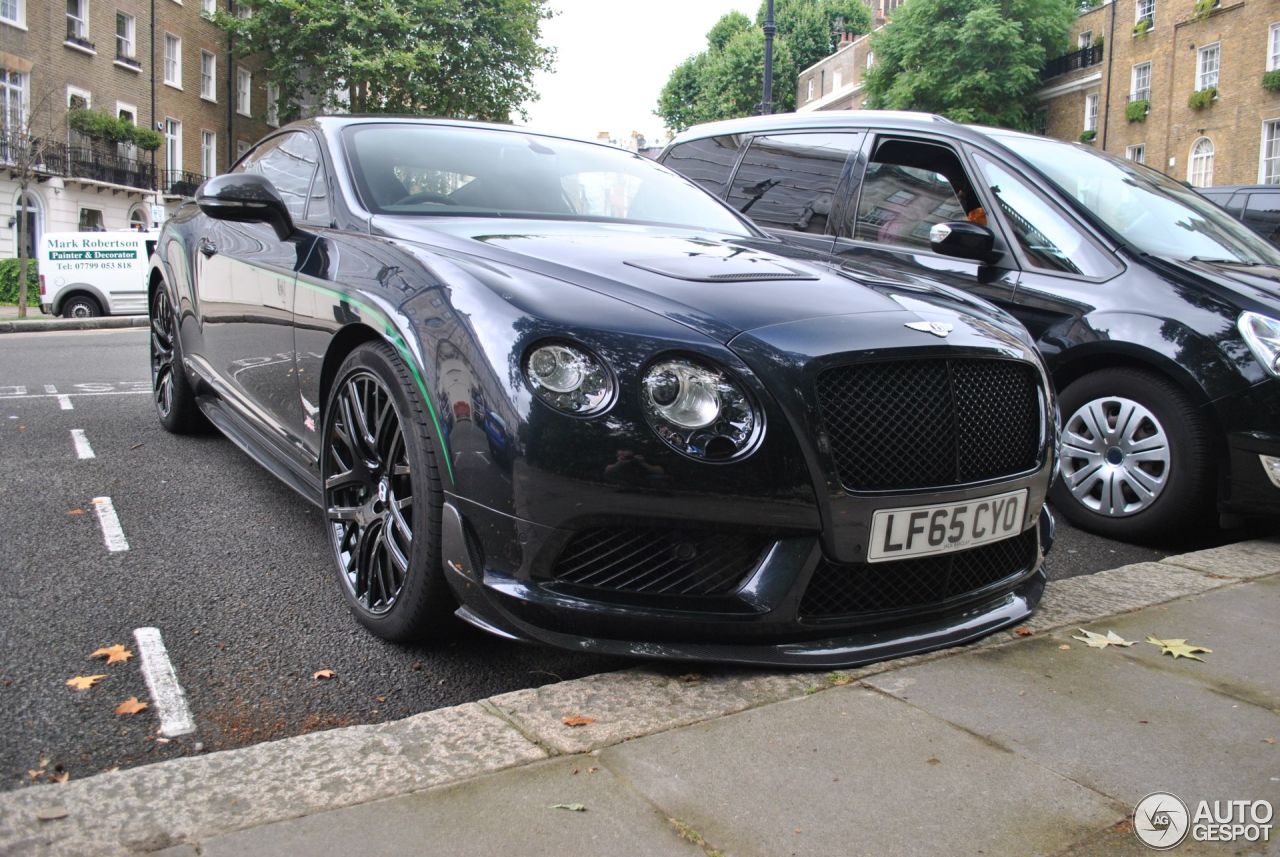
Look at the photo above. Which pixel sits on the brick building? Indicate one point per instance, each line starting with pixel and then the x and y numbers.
pixel 160 63
pixel 1138 63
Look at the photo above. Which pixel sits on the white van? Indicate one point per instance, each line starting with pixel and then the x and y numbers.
pixel 85 274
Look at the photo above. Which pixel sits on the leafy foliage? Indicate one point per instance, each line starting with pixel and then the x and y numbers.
pixel 1202 98
pixel 9 282
pixel 101 125
pixel 726 79
pixel 1136 111
pixel 1088 136
pixel 1271 80
pixel 970 60
pixel 1141 28
pixel 457 58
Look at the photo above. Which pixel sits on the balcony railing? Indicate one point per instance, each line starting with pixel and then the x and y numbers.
pixel 85 161
pixel 181 182
pixel 1073 61
pixel 1140 95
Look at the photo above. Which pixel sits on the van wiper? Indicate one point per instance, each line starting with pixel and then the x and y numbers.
pixel 1240 262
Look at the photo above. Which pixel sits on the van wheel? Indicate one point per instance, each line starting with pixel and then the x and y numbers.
pixel 81 306
pixel 1135 457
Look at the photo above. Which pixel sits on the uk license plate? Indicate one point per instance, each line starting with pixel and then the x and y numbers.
pixel 914 531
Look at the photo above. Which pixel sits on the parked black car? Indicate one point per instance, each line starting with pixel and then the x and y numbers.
pixel 1255 205
pixel 558 389
pixel 1158 315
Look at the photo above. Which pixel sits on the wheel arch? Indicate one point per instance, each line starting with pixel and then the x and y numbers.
pixel 346 340
pixel 80 290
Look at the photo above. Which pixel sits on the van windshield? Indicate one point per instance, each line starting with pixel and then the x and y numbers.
pixel 1152 212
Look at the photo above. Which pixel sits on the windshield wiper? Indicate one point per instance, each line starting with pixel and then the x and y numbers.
pixel 1225 261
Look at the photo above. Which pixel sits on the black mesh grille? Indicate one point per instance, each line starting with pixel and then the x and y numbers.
pixel 839 590
pixel 930 423
pixel 671 562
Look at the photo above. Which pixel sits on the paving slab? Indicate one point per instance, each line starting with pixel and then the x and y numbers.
pixel 1118 590
pixel 511 813
pixel 630 703
pixel 851 772
pixel 1254 558
pixel 158 806
pixel 1104 719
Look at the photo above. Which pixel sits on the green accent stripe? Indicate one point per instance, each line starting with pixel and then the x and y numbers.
pixel 398 342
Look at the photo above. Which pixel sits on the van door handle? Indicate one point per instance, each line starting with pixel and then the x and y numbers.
pixel 207 247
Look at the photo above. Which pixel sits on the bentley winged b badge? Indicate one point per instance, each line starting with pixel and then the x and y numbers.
pixel 937 328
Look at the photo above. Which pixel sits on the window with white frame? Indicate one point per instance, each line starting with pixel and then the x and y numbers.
pixel 13 100
pixel 1085 40
pixel 173 60
pixel 871 58
pixel 1208 62
pixel 1200 166
pixel 1145 10
pixel 208 76
pixel 14 12
pixel 78 20
pixel 1091 112
pixel 172 144
pixel 837 79
pixel 273 105
pixel 243 11
pixel 1140 82
pixel 244 92
pixel 242 146
pixel 1273 48
pixel 208 7
pixel 127 113
pixel 808 92
pixel 208 153
pixel 1137 153
pixel 126 30
pixel 1269 170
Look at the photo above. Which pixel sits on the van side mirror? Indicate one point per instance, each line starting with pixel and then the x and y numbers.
pixel 245 198
pixel 963 240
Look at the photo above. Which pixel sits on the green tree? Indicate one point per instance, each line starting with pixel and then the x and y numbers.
pixel 970 60
pixel 459 58
pixel 727 78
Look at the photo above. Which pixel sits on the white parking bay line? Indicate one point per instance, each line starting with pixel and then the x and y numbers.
pixel 64 402
pixel 112 532
pixel 169 698
pixel 82 444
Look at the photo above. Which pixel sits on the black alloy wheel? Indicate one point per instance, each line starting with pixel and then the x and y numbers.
pixel 174 399
pixel 383 499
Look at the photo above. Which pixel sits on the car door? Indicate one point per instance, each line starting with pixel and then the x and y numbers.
pixel 245 289
pixel 1262 214
pixel 903 185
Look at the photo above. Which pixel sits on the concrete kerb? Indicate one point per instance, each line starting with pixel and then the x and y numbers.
pixel 193 798
pixel 27 325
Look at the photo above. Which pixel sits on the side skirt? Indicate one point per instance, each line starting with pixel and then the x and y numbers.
pixel 258 447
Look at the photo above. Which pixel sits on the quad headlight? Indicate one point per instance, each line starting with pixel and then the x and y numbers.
pixel 698 409
pixel 1262 334
pixel 569 379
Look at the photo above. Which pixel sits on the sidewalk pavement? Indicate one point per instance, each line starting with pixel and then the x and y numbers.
pixel 1026 743
pixel 36 320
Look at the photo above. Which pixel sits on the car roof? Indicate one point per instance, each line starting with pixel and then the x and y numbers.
pixel 901 120
pixel 336 123
pixel 1232 188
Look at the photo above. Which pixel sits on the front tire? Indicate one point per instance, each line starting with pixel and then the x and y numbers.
pixel 1135 457
pixel 81 306
pixel 171 392
pixel 383 499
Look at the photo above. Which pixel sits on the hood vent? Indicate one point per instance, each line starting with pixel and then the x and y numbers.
pixel 735 268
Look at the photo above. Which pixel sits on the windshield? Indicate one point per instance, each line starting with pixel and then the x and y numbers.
pixel 442 170
pixel 1149 210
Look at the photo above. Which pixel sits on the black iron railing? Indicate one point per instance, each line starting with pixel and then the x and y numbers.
pixel 180 182
pixel 1073 61
pixel 101 163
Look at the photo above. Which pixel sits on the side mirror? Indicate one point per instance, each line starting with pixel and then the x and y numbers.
pixel 245 198
pixel 963 240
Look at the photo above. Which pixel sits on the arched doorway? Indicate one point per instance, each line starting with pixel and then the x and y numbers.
pixel 28 221
pixel 138 218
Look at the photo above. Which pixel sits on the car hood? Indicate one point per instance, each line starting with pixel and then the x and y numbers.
pixel 718 285
pixel 1256 282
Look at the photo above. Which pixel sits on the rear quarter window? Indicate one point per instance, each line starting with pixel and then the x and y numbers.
pixel 708 161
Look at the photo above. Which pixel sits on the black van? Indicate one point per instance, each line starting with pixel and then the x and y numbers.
pixel 1255 205
pixel 1158 314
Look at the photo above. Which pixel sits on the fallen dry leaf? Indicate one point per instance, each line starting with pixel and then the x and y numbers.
pixel 131 706
pixel 572 807
pixel 577 720
pixel 114 654
pixel 84 682
pixel 51 813
pixel 1179 649
pixel 1268 740
pixel 60 777
pixel 1064 647
pixel 34 773
pixel 136 446
pixel 323 674
pixel 73 512
pixel 1023 632
pixel 1101 641
pixel 690 678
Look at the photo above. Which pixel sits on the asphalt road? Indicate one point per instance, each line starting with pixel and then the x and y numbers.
pixel 227 563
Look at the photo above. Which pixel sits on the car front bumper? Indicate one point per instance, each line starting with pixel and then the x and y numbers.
pixel 1251 420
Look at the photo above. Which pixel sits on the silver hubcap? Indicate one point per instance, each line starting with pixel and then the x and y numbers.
pixel 79 311
pixel 1115 456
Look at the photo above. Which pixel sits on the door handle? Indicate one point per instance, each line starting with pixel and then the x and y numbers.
pixel 207 247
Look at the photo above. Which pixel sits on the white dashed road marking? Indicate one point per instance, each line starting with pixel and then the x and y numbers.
pixel 169 698
pixel 64 402
pixel 50 389
pixel 112 532
pixel 82 444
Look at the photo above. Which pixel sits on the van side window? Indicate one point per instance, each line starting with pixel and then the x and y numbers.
pixel 1048 240
pixel 907 188
pixel 708 161
pixel 789 181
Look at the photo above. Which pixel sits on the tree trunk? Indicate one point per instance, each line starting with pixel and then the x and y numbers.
pixel 22 250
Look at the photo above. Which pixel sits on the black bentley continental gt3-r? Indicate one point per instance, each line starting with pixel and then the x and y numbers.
pixel 564 394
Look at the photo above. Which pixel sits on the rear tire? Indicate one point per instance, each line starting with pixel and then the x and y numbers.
pixel 383 499
pixel 1136 457
pixel 171 392
pixel 81 306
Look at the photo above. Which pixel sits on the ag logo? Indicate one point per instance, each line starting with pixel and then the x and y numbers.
pixel 937 328
pixel 1161 820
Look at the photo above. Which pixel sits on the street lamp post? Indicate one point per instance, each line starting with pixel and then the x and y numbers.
pixel 766 103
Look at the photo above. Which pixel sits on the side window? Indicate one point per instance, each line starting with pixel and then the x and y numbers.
pixel 289 162
pixel 908 187
pixel 1262 214
pixel 1049 241
pixel 789 181
pixel 708 161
